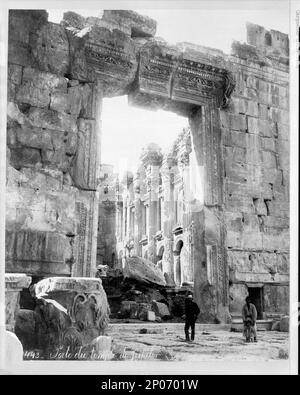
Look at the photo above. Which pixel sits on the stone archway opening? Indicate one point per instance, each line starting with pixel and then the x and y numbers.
pixel 127 127
pixel 134 146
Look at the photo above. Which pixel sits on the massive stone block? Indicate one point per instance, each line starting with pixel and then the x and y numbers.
pixel 22 26
pixel 50 49
pixel 14 284
pixel 38 252
pixel 84 305
pixel 141 270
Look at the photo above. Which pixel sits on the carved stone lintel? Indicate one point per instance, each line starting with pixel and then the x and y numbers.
pixel 169 73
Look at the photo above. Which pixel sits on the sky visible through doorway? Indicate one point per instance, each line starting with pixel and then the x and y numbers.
pixel 125 129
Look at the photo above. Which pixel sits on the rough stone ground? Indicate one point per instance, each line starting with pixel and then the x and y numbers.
pixel 165 341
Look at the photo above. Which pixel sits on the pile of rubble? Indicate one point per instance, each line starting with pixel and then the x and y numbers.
pixel 139 291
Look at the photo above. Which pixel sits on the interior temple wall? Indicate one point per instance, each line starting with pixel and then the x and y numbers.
pixel 255 143
pixel 238 111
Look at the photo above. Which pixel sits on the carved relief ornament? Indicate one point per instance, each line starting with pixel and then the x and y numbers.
pixel 184 80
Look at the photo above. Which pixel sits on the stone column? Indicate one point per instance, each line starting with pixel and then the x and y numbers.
pixel 119 221
pixel 138 212
pixel 167 215
pixel 151 159
pixel 14 283
pixel 185 218
pixel 128 230
pixel 124 218
pixel 152 211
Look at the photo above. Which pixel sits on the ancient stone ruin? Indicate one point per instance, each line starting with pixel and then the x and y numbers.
pixel 230 240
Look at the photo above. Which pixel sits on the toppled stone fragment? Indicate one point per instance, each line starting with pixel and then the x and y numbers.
pixel 284 324
pixel 150 316
pixel 143 271
pixel 161 310
pixel 26 328
pixel 143 309
pixel 83 302
pixel 14 284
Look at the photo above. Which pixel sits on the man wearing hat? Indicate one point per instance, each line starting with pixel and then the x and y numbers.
pixel 191 313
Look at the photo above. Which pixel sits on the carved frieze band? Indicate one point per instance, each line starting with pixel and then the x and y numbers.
pixel 103 57
pixel 184 80
pixel 164 72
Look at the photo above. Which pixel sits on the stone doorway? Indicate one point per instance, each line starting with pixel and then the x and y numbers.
pixel 256 295
pixel 100 63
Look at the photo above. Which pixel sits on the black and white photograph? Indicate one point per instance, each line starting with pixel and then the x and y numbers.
pixel 149 186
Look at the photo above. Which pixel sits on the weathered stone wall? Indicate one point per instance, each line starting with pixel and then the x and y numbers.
pixel 255 140
pixel 52 152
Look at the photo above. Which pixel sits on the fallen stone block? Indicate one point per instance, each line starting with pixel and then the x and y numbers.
pixel 14 283
pixel 143 271
pixel 284 324
pixel 143 309
pixel 161 310
pixel 74 309
pixel 150 316
pixel 276 326
pixel 26 328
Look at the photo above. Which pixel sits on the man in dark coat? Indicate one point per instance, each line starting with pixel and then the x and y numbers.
pixel 249 314
pixel 191 313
